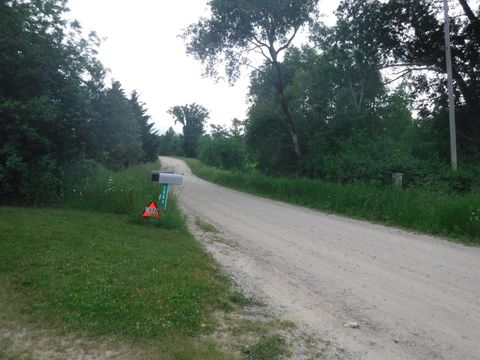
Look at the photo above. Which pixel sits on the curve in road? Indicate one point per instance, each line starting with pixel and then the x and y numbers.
pixel 414 296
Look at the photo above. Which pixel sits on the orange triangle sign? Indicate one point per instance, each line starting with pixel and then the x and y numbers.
pixel 151 211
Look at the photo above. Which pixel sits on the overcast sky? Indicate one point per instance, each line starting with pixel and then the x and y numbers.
pixel 143 51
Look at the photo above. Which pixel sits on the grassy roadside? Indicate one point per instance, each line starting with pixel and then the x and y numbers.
pixel 102 274
pixel 452 215
pixel 94 266
pixel 124 192
pixel 91 276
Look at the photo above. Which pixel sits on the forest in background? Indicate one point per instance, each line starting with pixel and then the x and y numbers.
pixel 59 120
pixel 364 99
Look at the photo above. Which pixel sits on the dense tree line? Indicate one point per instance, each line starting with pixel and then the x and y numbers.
pixel 57 116
pixel 365 98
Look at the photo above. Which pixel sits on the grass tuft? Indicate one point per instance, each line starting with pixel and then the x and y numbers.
pixel 238 298
pixel 205 226
pixel 271 347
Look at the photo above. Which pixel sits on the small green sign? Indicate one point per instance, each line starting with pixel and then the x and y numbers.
pixel 163 198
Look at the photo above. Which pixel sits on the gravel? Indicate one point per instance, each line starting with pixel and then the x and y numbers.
pixel 415 296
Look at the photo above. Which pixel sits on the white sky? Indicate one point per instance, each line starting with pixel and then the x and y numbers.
pixel 143 51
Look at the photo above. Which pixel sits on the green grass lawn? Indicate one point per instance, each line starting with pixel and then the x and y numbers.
pixel 449 214
pixel 103 274
pixel 93 269
pixel 94 266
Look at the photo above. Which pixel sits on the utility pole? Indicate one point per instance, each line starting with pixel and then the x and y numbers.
pixel 451 101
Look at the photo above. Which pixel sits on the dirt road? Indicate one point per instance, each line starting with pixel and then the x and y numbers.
pixel 414 296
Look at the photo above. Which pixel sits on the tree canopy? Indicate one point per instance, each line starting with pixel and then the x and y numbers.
pixel 239 27
pixel 367 97
pixel 55 110
pixel 193 118
pixel 408 36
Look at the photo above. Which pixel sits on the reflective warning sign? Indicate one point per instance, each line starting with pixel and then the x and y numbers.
pixel 151 211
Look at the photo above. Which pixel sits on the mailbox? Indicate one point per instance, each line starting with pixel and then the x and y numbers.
pixel 167 178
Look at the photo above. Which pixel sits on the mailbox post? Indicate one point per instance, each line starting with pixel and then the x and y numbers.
pixel 166 179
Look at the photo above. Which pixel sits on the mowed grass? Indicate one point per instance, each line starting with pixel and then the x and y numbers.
pixel 94 272
pixel 95 267
pixel 453 215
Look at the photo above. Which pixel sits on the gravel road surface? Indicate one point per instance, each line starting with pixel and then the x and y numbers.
pixel 413 296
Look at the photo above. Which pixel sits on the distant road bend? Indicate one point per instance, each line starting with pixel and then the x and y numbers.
pixel 414 296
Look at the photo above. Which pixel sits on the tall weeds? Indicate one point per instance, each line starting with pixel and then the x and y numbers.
pixel 428 210
pixel 124 192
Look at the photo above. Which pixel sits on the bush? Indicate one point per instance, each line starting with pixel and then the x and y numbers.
pixel 32 182
pixel 223 152
pixel 373 161
pixel 360 160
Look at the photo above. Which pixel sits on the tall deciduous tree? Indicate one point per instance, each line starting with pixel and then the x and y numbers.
pixel 238 27
pixel 55 112
pixel 47 73
pixel 193 118
pixel 409 35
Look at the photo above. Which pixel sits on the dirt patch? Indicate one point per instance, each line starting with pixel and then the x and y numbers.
pixel 244 328
pixel 21 342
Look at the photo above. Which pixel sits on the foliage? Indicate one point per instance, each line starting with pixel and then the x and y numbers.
pixel 41 89
pixel 267 348
pixel 206 227
pixel 390 25
pixel 171 144
pixel 193 118
pixel 224 148
pixel 331 97
pixel 115 129
pixel 124 192
pixel 354 128
pixel 423 209
pixel 54 107
pixel 360 160
pixel 266 138
pixel 238 28
pixel 148 138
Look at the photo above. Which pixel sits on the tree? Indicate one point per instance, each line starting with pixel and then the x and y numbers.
pixel 239 27
pixel 48 72
pixel 408 36
pixel 149 139
pixel 193 118
pixel 117 130
pixel 56 115
pixel 224 147
pixel 171 144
